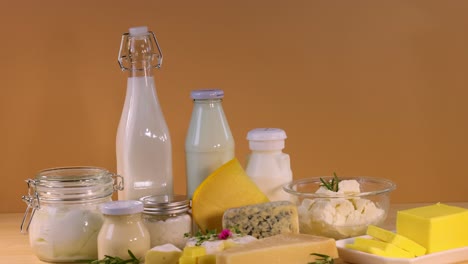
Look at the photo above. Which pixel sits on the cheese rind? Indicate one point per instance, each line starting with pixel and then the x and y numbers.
pixel 396 239
pixel 263 220
pixel 436 227
pixel 284 249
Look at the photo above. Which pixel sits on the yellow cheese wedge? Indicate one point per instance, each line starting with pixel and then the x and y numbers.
pixel 225 188
pixel 436 227
pixel 398 240
pixel 381 248
pixel 284 249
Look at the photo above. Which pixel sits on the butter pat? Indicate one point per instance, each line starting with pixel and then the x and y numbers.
pixel 263 220
pixel 398 240
pixel 436 227
pixel 380 248
pixel 164 254
pixel 284 249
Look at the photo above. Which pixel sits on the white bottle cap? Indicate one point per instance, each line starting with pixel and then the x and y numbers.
pixel 122 207
pixel 138 31
pixel 266 139
pixel 207 94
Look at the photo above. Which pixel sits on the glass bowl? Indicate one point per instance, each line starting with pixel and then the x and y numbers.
pixel 340 215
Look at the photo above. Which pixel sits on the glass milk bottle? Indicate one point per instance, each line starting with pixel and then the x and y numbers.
pixel 267 165
pixel 144 154
pixel 209 143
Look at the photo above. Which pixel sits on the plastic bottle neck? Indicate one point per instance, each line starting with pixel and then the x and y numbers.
pixel 266 151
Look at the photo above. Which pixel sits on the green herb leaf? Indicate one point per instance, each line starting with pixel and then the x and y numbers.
pixel 332 185
pixel 324 259
pixel 113 260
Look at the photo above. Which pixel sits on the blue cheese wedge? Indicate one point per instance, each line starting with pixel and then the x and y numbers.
pixel 263 220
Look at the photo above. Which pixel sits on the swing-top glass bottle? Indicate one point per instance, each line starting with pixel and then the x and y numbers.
pixel 143 145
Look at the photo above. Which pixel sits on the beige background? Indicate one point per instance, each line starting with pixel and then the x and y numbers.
pixel 375 88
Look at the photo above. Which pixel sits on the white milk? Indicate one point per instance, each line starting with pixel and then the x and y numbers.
pixel 209 142
pixel 144 155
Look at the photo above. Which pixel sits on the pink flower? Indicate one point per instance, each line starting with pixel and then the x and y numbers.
pixel 225 234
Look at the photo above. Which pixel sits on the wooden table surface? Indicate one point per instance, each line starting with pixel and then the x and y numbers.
pixel 14 246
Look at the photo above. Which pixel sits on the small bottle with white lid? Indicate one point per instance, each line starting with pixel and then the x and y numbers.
pixel 267 165
pixel 123 230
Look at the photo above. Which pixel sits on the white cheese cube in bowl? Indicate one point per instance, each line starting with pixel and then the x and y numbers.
pixel 343 211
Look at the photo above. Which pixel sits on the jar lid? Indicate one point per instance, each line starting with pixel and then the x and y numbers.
pixel 73 184
pixel 266 138
pixel 122 207
pixel 165 204
pixel 207 94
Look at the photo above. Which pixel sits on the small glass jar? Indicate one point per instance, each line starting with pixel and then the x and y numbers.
pixel 167 219
pixel 63 217
pixel 123 230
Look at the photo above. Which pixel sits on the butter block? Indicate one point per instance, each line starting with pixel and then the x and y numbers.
pixel 164 254
pixel 436 227
pixel 384 249
pixel 207 259
pixel 263 220
pixel 187 260
pixel 284 249
pixel 190 255
pixel 398 240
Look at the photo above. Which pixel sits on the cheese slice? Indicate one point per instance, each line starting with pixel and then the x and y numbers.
pixel 284 249
pixel 380 248
pixel 436 227
pixel 263 220
pixel 397 240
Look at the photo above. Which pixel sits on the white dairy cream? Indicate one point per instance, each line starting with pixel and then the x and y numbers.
pixel 65 234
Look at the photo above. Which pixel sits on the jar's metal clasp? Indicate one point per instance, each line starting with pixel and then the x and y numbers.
pixel 32 200
pixel 118 183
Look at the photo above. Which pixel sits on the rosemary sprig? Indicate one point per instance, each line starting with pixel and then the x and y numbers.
pixel 113 260
pixel 325 259
pixel 200 237
pixel 332 185
pixel 211 235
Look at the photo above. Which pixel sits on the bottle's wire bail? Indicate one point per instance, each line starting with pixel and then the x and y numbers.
pixel 124 48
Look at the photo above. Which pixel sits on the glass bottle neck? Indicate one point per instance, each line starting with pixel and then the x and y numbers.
pixel 146 71
pixel 123 219
pixel 208 101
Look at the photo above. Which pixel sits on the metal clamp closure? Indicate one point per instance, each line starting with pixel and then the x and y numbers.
pixel 32 200
pixel 123 51
pixel 118 182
